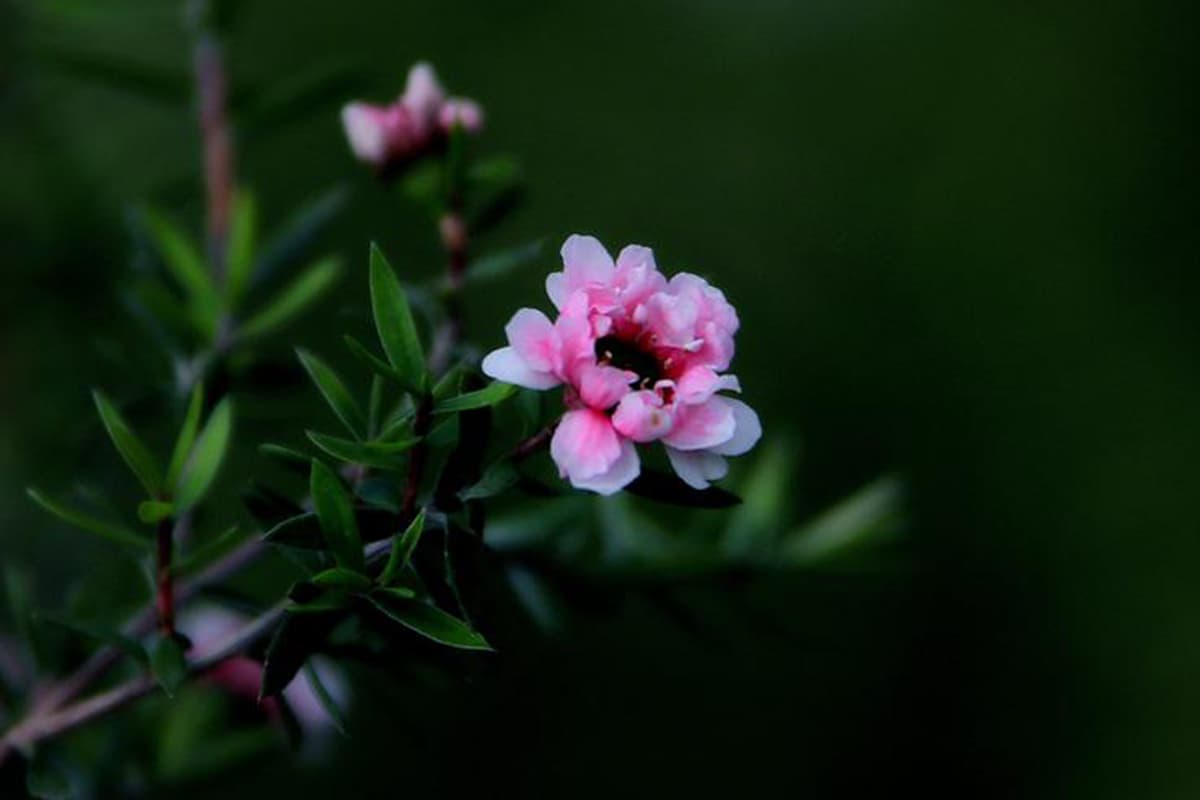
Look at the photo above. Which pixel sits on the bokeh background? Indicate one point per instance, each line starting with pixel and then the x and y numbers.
pixel 961 239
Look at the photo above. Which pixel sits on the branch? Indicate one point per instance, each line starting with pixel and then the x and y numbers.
pixel 38 727
pixel 48 720
pixel 104 659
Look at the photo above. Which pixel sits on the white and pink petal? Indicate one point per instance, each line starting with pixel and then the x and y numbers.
pixel 747 429
pixel 697 468
pixel 506 365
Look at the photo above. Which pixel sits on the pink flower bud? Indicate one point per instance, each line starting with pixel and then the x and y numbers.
pixel 416 124
pixel 458 111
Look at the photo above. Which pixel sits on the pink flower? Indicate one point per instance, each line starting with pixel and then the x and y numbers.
pixel 642 360
pixel 416 123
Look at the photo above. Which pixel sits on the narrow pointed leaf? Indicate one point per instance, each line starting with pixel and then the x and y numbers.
pixel 296 638
pixel 869 515
pixel 47 780
pixel 298 234
pixel 187 436
pixel 303 531
pixel 372 362
pixel 402 549
pixel 139 459
pixel 397 592
pixel 169 664
pixel 336 717
pixel 286 455
pixel 394 322
pixel 449 384
pixel 490 395
pixel 152 511
pixel 240 260
pixel 187 266
pixel 112 638
pixel 208 552
pixel 336 516
pixel 390 455
pixel 430 622
pixel 341 578
pixel 206 457
pixel 107 530
pixel 502 264
pixel 335 393
pixel 498 478
pixel 375 406
pixel 293 299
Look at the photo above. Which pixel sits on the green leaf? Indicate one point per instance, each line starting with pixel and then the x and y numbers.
pixel 187 436
pixel 667 488
pixel 379 492
pixel 402 549
pixel 490 395
pixel 335 393
pixel 18 591
pixel 336 517
pixel 286 455
pixel 372 361
pixel 341 578
pixel 449 384
pixel 498 478
pixel 169 664
pixel 336 717
pixel 766 494
pixel 112 638
pixel 128 445
pixel 206 457
pixel 398 592
pixel 867 516
pixel 296 638
pixel 389 455
pixel 152 511
pixel 303 531
pixel 46 780
pixel 110 531
pixel 240 258
pixel 188 267
pixel 298 234
pixel 504 263
pixel 394 323
pixel 334 599
pixel 430 622
pixel 375 406
pixel 293 299
pixel 500 170
pixel 148 81
pixel 206 553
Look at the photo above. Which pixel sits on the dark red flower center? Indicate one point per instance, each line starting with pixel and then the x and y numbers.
pixel 628 355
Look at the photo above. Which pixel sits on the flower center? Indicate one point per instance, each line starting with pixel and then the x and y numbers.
pixel 623 354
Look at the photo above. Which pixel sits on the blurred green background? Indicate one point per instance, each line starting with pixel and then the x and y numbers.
pixel 960 238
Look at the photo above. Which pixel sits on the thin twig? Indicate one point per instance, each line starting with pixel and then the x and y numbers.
pixel 533 444
pixel 98 665
pixel 45 722
pixel 38 727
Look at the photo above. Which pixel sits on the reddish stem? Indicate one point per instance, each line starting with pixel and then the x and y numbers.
pixel 217 140
pixel 165 596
